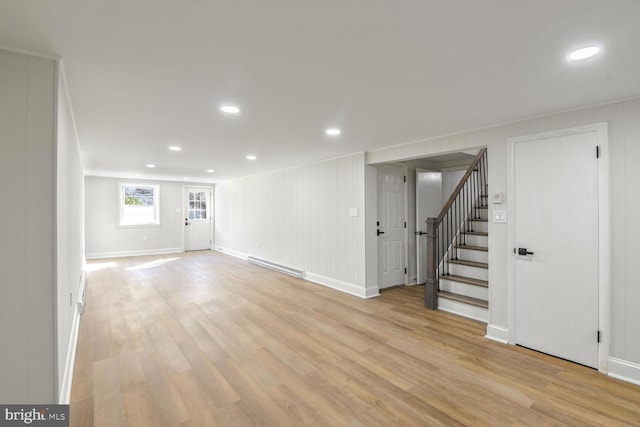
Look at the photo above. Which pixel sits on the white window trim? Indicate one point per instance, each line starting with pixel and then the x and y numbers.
pixel 156 191
pixel 206 190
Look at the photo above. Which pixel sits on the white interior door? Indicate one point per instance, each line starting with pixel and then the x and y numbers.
pixel 391 217
pixel 556 218
pixel 197 219
pixel 428 205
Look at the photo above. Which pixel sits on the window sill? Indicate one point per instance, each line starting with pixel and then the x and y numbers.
pixel 151 225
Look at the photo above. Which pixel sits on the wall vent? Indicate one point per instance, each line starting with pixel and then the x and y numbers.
pixel 278 267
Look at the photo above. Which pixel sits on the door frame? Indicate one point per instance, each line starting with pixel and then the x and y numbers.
pixel 183 205
pixel 604 233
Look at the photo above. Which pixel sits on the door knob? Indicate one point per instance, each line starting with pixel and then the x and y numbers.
pixel 523 251
pixel 380 232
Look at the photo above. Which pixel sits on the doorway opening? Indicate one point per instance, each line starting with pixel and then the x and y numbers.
pixel 428 183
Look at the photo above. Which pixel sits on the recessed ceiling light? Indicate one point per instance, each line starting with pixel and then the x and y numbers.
pixel 583 53
pixel 231 109
pixel 151 165
pixel 333 131
pixel 251 157
pixel 175 148
pixel 210 170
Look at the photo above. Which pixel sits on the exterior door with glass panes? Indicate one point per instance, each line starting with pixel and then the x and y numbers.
pixel 197 218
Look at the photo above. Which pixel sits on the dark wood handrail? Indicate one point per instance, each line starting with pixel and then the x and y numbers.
pixel 461 184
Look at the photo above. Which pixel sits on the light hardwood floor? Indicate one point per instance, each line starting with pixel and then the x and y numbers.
pixel 203 339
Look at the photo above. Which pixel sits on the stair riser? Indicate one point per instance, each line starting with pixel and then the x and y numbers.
pixel 467 271
pixel 469 255
pixel 477 240
pixel 479 226
pixel 462 309
pixel 483 213
pixel 464 289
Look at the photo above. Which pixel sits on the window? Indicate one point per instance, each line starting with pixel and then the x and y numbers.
pixel 197 204
pixel 139 204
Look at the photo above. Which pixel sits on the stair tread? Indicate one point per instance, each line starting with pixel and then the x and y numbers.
pixel 469 263
pixel 476 233
pixel 473 248
pixel 467 280
pixel 464 299
pixel 479 220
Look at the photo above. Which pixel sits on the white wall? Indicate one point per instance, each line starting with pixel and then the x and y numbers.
pixel 106 238
pixel 69 235
pixel 299 217
pixel 27 106
pixel 450 180
pixel 624 133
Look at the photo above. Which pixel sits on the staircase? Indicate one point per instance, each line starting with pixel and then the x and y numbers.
pixel 457 247
pixel 464 290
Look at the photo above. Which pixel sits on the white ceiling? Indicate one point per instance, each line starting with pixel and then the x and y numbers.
pixel 147 74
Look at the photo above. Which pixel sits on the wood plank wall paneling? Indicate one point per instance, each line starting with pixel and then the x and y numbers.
pixel 69 230
pixel 13 248
pixel 298 217
pixel 27 230
pixel 39 215
pixel 207 339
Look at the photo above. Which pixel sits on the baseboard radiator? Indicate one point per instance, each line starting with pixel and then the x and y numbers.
pixel 278 267
pixel 81 293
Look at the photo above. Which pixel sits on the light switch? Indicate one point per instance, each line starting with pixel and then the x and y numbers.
pixel 353 211
pixel 498 198
pixel 499 216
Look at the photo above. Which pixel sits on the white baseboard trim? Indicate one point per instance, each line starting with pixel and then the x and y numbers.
pixel 65 387
pixel 120 254
pixel 497 333
pixel 231 252
pixel 339 285
pixel 624 370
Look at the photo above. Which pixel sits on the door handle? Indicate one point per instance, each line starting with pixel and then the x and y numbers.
pixel 380 232
pixel 523 251
pixel 420 233
pixel 186 221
